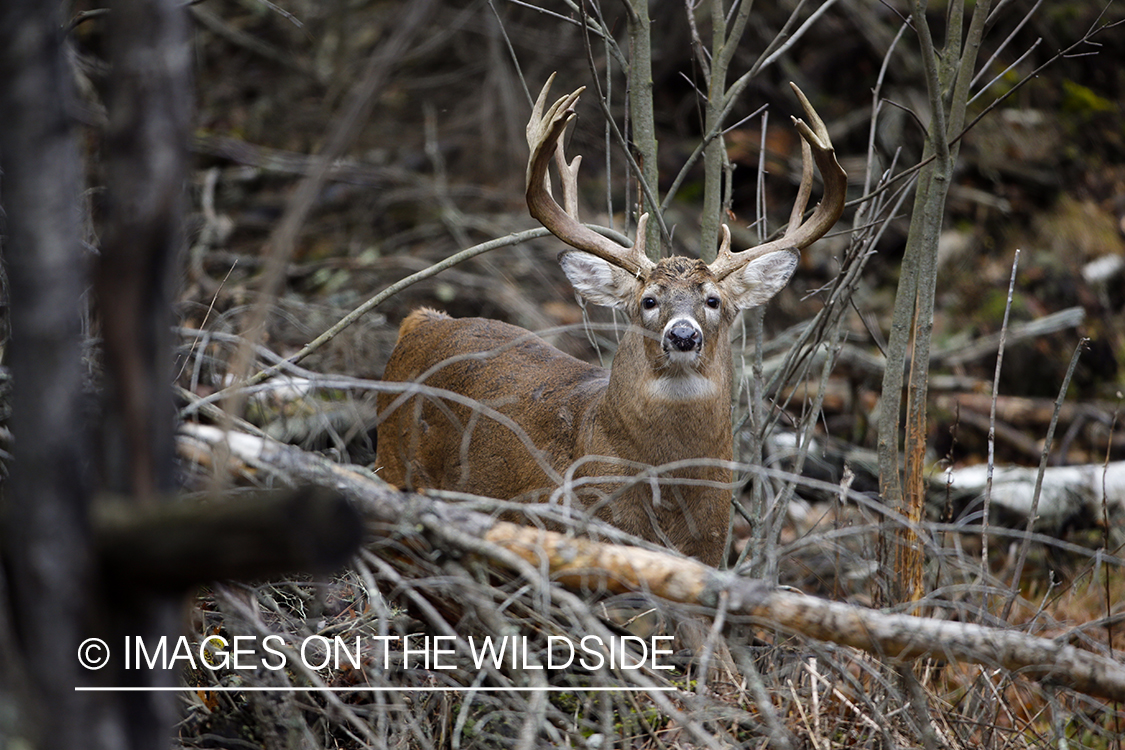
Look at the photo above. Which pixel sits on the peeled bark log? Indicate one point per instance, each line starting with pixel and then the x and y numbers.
pixel 585 565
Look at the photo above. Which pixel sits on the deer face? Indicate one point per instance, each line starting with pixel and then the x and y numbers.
pixel 681 309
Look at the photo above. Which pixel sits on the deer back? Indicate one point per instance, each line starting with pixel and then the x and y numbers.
pixel 498 415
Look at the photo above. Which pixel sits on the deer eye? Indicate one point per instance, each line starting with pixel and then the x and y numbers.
pixel 648 303
pixel 713 302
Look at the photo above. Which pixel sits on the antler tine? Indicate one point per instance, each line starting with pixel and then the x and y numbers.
pixel 544 138
pixel 540 124
pixel 816 143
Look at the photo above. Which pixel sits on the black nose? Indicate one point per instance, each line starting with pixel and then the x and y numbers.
pixel 683 338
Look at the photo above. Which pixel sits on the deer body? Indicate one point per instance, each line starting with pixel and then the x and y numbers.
pixel 647 410
pixel 645 445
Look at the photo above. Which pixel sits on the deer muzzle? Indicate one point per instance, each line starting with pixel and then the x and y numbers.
pixel 683 336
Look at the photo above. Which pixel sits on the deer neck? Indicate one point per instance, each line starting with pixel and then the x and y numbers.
pixel 660 415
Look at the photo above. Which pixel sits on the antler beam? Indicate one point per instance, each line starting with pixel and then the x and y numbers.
pixel 544 138
pixel 799 235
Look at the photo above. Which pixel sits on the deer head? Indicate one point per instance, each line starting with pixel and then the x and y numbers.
pixel 680 303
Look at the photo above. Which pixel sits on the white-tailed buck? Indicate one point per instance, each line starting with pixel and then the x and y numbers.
pixel 645 445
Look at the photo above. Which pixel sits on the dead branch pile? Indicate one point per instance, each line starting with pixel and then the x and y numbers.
pixel 435 573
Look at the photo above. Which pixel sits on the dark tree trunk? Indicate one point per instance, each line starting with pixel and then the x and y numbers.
pixel 54 591
pixel 145 156
pixel 44 532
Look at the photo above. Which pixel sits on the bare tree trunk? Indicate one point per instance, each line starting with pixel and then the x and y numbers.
pixel 951 71
pixel 57 595
pixel 642 119
pixel 150 105
pixel 45 542
pixel 146 153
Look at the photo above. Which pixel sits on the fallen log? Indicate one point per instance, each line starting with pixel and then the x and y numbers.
pixel 587 565
pixel 1093 491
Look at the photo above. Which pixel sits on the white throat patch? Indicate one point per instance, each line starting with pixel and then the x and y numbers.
pixel 687 385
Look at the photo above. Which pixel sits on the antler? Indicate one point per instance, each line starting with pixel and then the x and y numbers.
pixel 799 235
pixel 544 137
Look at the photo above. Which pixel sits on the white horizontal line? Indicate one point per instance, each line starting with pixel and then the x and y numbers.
pixel 362 689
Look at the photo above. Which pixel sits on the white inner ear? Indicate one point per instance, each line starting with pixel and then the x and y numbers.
pixel 596 280
pixel 760 279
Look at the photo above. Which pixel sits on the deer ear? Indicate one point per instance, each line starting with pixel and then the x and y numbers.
pixel 756 282
pixel 596 280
